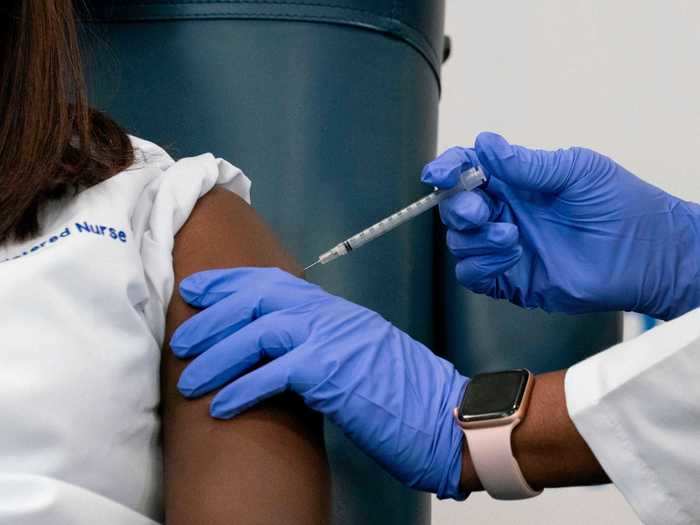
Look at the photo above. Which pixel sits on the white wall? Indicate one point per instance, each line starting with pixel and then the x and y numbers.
pixel 621 77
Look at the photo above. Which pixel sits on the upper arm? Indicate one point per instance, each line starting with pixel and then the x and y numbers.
pixel 268 464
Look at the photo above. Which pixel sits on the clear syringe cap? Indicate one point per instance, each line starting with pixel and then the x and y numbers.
pixel 472 178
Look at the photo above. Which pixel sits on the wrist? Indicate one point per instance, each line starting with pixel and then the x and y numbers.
pixel 547 446
pixel 694 255
pixel 681 291
pixel 450 485
pixel 469 481
pixel 549 450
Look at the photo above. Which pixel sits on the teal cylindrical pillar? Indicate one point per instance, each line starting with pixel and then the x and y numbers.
pixel 331 108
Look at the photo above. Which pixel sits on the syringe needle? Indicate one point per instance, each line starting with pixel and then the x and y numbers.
pixel 311 265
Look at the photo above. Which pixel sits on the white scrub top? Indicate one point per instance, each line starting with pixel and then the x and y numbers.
pixel 82 322
pixel 637 406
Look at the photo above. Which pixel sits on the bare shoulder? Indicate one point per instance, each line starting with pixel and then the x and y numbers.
pixel 223 230
pixel 267 465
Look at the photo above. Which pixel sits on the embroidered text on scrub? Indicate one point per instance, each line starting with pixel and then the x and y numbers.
pixel 100 229
pixel 80 227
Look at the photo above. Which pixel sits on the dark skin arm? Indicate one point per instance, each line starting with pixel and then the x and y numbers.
pixel 549 449
pixel 267 465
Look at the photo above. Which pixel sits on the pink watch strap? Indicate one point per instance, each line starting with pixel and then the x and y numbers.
pixel 492 456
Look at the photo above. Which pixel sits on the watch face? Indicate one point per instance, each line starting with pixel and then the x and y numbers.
pixel 493 396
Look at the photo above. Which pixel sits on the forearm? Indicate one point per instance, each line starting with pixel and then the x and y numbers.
pixel 549 449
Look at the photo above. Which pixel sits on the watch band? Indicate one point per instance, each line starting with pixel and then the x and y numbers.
pixel 492 455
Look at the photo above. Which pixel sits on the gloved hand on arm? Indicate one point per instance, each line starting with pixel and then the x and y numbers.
pixel 390 394
pixel 568 231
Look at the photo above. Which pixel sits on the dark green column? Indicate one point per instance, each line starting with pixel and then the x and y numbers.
pixel 331 110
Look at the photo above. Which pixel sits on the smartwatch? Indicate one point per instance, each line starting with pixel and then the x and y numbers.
pixel 492 406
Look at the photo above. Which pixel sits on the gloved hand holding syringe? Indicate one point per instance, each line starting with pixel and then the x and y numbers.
pixel 469 180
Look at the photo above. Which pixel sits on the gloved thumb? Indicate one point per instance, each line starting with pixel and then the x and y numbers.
pixel 523 168
pixel 445 170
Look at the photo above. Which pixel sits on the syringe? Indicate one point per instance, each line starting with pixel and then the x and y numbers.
pixel 468 181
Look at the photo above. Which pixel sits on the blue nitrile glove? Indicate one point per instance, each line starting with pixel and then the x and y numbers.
pixel 389 394
pixel 568 231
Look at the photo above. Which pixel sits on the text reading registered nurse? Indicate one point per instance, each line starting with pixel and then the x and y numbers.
pixel 566 231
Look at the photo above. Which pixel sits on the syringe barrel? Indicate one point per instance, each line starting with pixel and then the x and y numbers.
pixel 469 180
pixel 392 221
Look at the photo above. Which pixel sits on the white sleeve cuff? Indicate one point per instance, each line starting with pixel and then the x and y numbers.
pixel 637 405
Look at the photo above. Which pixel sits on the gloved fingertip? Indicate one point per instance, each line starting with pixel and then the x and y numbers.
pixel 177 343
pixel 504 234
pixel 180 350
pixel 221 414
pixel 436 176
pixel 473 270
pixel 186 387
pixel 453 239
pixel 483 211
pixel 445 170
pixel 219 409
pixel 493 146
pixel 205 288
pixel 426 174
pixel 464 211
pixel 191 288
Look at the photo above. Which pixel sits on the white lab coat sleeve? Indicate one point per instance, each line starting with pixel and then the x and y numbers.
pixel 637 405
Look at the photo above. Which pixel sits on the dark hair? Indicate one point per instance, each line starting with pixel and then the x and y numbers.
pixel 51 141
